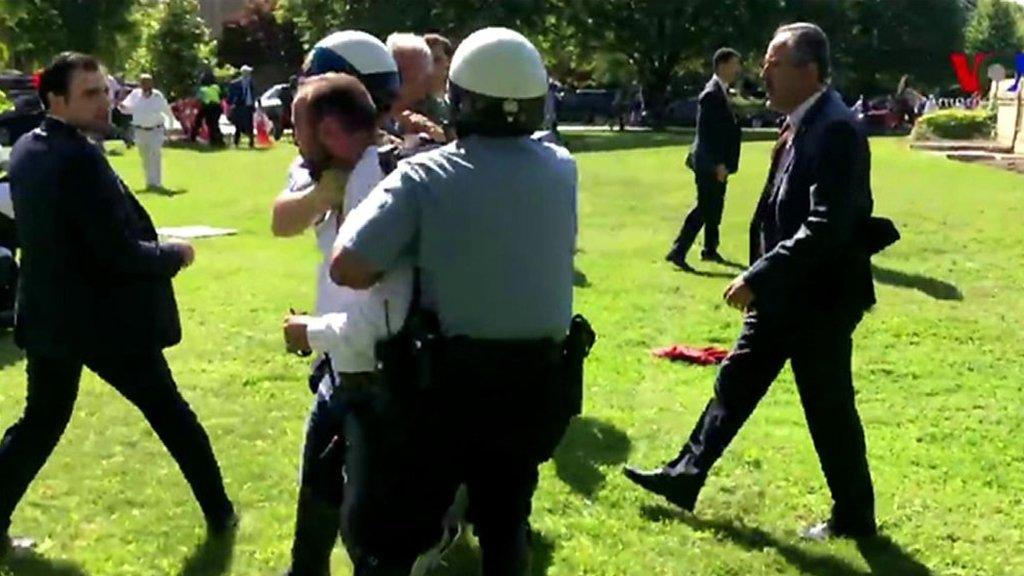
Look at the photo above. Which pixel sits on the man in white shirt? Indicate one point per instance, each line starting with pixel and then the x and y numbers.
pixel 319 197
pixel 150 113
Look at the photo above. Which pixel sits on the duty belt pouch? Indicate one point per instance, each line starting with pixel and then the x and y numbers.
pixel 405 361
pixel 575 349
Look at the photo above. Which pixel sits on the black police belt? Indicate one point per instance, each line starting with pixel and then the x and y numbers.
pixel 419 360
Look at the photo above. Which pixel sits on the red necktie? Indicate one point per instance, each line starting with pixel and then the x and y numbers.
pixel 785 135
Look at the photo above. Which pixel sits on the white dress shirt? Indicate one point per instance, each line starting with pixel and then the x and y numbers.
pixel 793 121
pixel 725 87
pixel 113 88
pixel 147 111
pixel 348 323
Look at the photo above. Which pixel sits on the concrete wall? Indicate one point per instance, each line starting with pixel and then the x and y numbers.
pixel 1009 116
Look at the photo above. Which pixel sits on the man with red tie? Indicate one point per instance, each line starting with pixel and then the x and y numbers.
pixel 807 288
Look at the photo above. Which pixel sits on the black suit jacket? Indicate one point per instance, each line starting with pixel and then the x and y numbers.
pixel 718 132
pixel 236 93
pixel 94 279
pixel 808 244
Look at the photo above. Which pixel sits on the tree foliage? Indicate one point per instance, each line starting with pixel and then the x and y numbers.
pixel 994 27
pixel 256 36
pixel 35 30
pixel 314 19
pixel 875 42
pixel 178 47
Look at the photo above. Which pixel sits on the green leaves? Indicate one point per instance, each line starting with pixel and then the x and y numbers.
pixel 995 27
pixel 179 47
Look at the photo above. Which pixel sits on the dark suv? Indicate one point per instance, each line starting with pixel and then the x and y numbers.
pixel 589 106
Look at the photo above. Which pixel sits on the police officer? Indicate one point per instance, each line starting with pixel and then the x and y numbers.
pixel 320 198
pixel 489 221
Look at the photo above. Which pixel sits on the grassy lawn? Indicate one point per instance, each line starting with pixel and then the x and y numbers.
pixel 937 365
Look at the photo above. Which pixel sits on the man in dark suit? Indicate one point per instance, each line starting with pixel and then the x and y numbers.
pixel 715 154
pixel 95 291
pixel 243 99
pixel 808 286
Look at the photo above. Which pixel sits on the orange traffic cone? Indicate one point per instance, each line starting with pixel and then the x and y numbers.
pixel 262 133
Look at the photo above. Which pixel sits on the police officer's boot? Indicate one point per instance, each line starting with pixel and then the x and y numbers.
pixel 317 522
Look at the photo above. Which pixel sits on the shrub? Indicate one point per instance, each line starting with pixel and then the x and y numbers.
pixel 955 125
pixel 5 102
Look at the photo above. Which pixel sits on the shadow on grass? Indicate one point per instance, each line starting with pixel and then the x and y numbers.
pixel 883 556
pixel 610 141
pixel 464 558
pixel 887 558
pixel 28 563
pixel 607 141
pixel 579 279
pixel 588 444
pixel 707 273
pixel 161 191
pixel 211 557
pixel 937 289
pixel 732 264
pixel 9 351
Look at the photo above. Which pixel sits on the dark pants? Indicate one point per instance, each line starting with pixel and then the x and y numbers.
pixel 820 356
pixel 210 114
pixel 146 381
pixel 706 214
pixel 321 490
pixel 242 118
pixel 489 431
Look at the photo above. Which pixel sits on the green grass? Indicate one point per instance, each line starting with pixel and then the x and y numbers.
pixel 937 367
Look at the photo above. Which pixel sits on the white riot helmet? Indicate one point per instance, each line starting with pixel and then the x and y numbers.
pixel 497 84
pixel 361 55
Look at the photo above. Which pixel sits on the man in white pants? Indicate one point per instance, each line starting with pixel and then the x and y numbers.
pixel 150 112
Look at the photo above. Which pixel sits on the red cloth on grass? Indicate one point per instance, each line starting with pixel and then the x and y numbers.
pixel 703 356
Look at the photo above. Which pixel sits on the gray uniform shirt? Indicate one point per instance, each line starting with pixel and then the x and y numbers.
pixel 491 222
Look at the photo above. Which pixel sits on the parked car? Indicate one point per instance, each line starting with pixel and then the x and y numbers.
pixel 761 118
pixel 589 106
pixel 16 84
pixel 682 112
pixel 880 116
pixel 270 102
pixel 17 122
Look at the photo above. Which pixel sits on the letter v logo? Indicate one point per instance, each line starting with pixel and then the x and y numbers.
pixel 966 75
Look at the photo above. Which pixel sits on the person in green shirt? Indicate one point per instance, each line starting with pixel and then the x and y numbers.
pixel 209 95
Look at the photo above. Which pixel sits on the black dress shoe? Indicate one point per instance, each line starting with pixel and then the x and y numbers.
pixel 679 260
pixel 829 529
pixel 13 546
pixel 681 489
pixel 712 257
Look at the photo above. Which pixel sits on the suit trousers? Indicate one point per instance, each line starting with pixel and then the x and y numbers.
pixel 150 144
pixel 318 513
pixel 142 378
pixel 819 352
pixel 242 118
pixel 408 458
pixel 209 115
pixel 707 214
